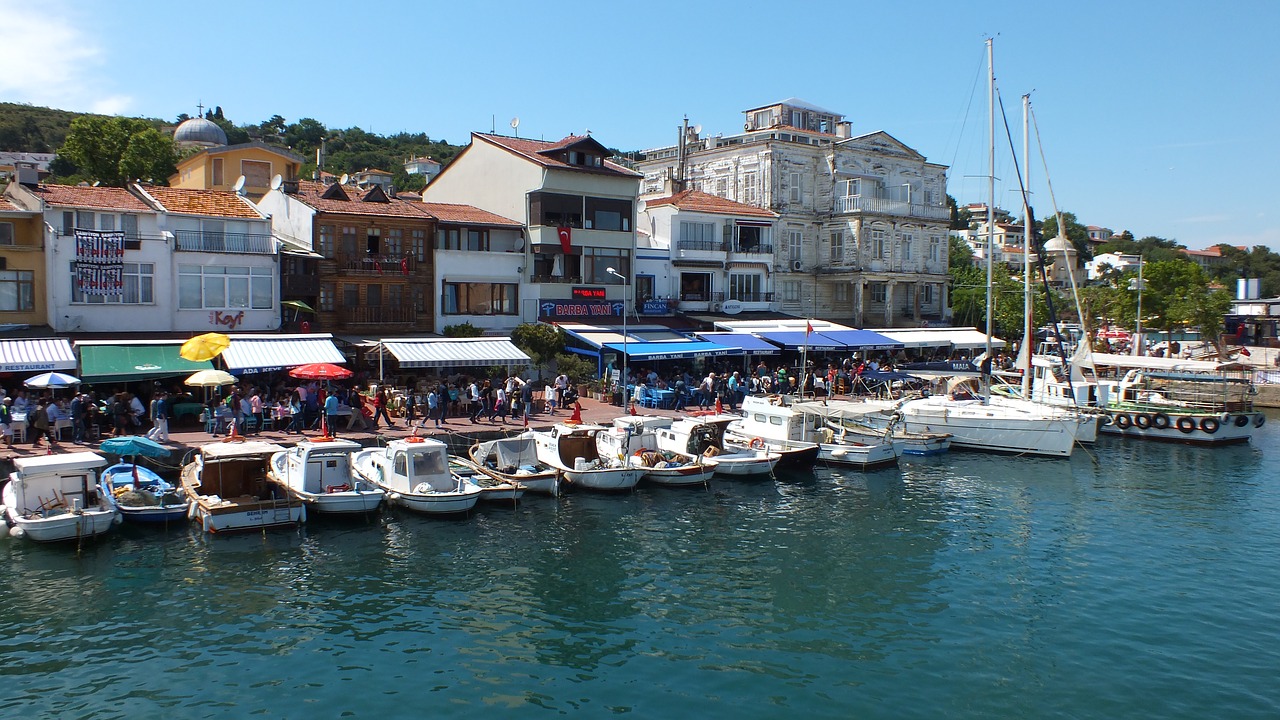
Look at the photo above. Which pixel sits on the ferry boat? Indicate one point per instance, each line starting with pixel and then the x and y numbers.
pixel 415 474
pixel 51 498
pixel 229 489
pixel 318 471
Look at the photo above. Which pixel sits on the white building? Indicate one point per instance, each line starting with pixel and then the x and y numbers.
pixel 577 206
pixel 479 260
pixel 862 234
pixel 1100 264
pixel 422 166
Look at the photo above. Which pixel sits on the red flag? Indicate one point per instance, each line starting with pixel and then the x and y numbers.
pixel 808 328
pixel 1245 352
pixel 566 240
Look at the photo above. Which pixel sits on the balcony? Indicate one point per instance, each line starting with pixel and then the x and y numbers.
pixel 882 206
pixel 759 249
pixel 378 264
pixel 556 279
pixel 702 297
pixel 224 242
pixel 299 286
pixel 700 246
pixel 378 315
pixel 752 297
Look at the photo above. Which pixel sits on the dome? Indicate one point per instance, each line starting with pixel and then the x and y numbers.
pixel 198 131
pixel 1058 244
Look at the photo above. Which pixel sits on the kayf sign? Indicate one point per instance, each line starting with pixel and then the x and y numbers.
pixel 579 309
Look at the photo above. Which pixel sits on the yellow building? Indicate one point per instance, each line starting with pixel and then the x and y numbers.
pixel 218 168
pixel 22 276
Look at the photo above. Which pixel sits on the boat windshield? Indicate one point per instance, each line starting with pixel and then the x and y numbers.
pixel 428 463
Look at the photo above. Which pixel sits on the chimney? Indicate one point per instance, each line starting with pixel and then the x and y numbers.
pixel 844 129
pixel 28 177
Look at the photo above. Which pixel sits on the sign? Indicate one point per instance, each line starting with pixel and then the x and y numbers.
pixel 655 307
pixel 588 293
pixel 571 309
pixel 731 307
pixel 229 320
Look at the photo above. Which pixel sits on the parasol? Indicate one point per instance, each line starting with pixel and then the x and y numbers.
pixel 52 380
pixel 204 347
pixel 298 305
pixel 211 378
pixel 320 371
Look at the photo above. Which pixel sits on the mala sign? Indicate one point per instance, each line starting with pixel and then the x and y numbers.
pixel 221 319
pixel 566 309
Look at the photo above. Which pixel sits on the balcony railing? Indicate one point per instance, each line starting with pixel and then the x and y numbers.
pixel 702 297
pixel 379 264
pixel 557 279
pixel 859 203
pixel 378 315
pixel 700 245
pixel 757 249
pixel 751 297
pixel 224 242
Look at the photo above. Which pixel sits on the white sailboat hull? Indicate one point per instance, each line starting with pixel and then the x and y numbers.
pixel 1000 428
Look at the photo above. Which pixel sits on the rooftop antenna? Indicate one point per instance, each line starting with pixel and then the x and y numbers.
pixel 493 124
pixel 515 126
pixel 239 186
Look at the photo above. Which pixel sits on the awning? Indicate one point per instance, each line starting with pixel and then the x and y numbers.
pixel 122 363
pixel 959 338
pixel 455 352
pixel 863 340
pixel 264 354
pixel 639 351
pixel 36 355
pixel 747 343
pixel 792 340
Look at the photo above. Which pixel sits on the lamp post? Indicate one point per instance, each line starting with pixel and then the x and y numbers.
pixel 1138 284
pixel 625 287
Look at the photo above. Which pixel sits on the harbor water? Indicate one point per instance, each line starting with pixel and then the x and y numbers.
pixel 1133 580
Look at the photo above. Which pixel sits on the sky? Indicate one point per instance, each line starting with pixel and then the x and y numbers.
pixel 1160 118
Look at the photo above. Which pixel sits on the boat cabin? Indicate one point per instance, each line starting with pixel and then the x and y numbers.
pixel 322 465
pixel 236 470
pixel 770 418
pixel 64 482
pixel 1190 390
pixel 409 464
pixel 1049 386
pixel 576 442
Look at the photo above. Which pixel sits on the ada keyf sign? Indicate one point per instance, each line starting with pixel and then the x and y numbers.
pixel 731 307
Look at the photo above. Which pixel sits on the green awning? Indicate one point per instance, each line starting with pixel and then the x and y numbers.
pixel 121 363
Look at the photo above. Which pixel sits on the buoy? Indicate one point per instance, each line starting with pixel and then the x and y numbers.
pixel 17 532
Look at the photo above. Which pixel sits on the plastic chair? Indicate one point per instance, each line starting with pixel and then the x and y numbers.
pixel 249 424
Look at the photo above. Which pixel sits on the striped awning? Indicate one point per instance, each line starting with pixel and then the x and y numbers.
pixel 260 354
pixel 455 352
pixel 36 355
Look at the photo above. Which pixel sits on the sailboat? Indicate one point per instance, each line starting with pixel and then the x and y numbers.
pixel 986 422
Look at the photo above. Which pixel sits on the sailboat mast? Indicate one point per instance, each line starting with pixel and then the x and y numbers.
pixel 1027 310
pixel 991 198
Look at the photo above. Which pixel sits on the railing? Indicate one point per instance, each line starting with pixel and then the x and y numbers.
pixel 224 242
pixel 379 264
pixel 858 203
pixel 700 245
pixel 378 315
pixel 751 297
pixel 702 297
pixel 759 249
pixel 556 279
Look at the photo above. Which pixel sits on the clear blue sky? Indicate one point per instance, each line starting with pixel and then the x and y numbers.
pixel 1160 118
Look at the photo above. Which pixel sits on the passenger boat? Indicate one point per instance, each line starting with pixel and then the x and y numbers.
pixel 704 435
pixel 571 448
pixel 492 489
pixel 319 473
pixel 143 496
pixel 818 423
pixel 57 497
pixel 415 474
pixel 515 460
pixel 636 440
pixel 230 491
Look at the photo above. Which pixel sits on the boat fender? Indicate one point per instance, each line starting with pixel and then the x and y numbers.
pixel 1160 421
pixel 1186 424
pixel 17 533
pixel 1142 421
pixel 1260 420
pixel 1123 421
pixel 1108 420
pixel 1242 420
pixel 393 497
pixel 191 511
pixel 1209 425
pixel 757 443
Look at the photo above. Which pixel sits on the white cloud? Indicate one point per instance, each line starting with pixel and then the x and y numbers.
pixel 50 60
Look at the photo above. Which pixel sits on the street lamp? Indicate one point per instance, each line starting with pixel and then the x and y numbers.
pixel 1138 284
pixel 625 288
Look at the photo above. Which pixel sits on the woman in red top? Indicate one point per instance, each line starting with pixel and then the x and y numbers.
pixel 380 408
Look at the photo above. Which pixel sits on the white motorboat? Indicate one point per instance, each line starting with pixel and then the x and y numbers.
pixel 515 460
pixel 704 435
pixel 319 472
pixel 869 422
pixel 415 474
pixel 56 497
pixel 492 489
pixel 816 422
pixel 572 449
pixel 636 440
pixel 995 424
pixel 230 492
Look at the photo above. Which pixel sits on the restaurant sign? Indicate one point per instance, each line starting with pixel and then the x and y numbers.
pixel 655 307
pixel 572 309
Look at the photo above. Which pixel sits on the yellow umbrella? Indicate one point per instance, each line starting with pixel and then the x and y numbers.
pixel 205 347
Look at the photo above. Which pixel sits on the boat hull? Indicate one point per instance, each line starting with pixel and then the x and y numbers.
pixel 348 502
pixel 973 428
pixel 678 476
pixel 436 503
pixel 607 480
pixel 246 517
pixel 1188 428
pixel 121 475
pixel 863 457
pixel 762 464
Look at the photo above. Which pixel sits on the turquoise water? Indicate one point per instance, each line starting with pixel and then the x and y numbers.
pixel 1144 584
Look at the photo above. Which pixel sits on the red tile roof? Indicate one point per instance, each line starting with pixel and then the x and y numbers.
pixel 8 207
pixel 467 215
pixel 309 192
pixel 698 201
pixel 107 198
pixel 202 202
pixel 534 150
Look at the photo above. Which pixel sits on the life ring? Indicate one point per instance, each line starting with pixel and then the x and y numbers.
pixel 1160 421
pixel 1242 420
pixel 1260 420
pixel 1186 424
pixel 1142 421
pixel 757 443
pixel 1123 421
pixel 414 439
pixel 1209 425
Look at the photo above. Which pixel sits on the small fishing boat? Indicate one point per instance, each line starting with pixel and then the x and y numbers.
pixel 318 471
pixel 704 436
pixel 143 496
pixel 229 489
pixel 491 489
pixel 56 497
pixel 415 474
pixel 636 440
pixel 515 460
pixel 571 448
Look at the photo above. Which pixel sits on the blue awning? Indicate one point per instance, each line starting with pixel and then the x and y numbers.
pixel 747 343
pixel 672 350
pixel 863 340
pixel 794 340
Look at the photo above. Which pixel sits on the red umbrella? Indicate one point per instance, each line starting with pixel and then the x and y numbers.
pixel 320 371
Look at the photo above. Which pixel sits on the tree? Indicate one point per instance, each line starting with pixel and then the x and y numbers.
pixel 462 330
pixel 960 255
pixel 115 150
pixel 541 342
pixel 149 156
pixel 1078 234
pixel 960 217
pixel 578 368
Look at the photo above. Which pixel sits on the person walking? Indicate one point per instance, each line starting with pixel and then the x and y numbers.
pixel 486 402
pixel 40 425
pixel 255 408
pixel 499 405
pixel 433 407
pixel 473 395
pixel 159 418
pixel 526 401
pixel 6 420
pixel 380 409
pixel 331 414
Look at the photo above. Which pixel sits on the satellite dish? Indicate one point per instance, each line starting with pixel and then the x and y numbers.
pixel 240 184
pixel 343 180
pixel 520 245
pixel 515 123
pixel 697 129
pixel 276 182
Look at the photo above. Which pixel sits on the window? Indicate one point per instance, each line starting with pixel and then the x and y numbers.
pixel 221 287
pixel 479 299
pixel 795 187
pixel 419 298
pixel 837 247
pixel 217 172
pixel 695 286
pixel 395 295
pixel 842 293
pixel 418 239
pixel 256 173
pixel 607 214
pixel 749 194
pixel 373 242
pixel 395 242
pixel 597 261
pixel 753 239
pixel 926 295
pixel 878 293
pixel 139 286
pixel 373 295
pixel 68 223
pixel 791 291
pixel 84 220
pixel 698 236
pixel 448 239
pixel 477 240
pixel 935 249
pixel 907 241
pixel 348 245
pixel 848 188
pixel 17 290
pixel 326 241
pixel 350 295
pixel 106 222
pixel 129 224
pixel 6 233
pixel 555 209
pixel 745 287
pixel 328 293
pixel 645 287
pixel 879 245
pixel 795 241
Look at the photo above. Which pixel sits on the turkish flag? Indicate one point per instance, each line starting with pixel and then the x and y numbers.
pixel 566 240
pixel 808 328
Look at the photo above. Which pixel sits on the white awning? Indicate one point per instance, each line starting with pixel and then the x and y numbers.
pixel 455 352
pixel 265 353
pixel 958 338
pixel 19 356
